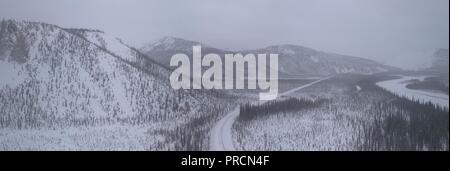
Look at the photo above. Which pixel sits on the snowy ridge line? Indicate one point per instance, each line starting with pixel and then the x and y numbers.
pixel 221 138
pixel 139 57
pixel 121 58
pixel 146 57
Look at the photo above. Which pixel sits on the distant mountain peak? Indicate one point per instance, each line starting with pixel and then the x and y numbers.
pixel 288 49
pixel 170 42
pixel 291 46
pixel 171 39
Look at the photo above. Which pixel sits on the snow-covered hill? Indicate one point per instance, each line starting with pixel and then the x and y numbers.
pixel 293 60
pixel 163 49
pixel 52 77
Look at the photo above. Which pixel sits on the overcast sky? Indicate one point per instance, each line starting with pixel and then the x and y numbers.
pixel 396 32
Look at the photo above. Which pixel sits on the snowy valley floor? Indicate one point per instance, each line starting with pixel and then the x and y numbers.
pixel 355 115
pixel 112 137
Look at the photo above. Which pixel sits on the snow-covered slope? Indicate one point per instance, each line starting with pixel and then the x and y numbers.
pixel 293 60
pixel 163 49
pixel 56 77
pixel 298 60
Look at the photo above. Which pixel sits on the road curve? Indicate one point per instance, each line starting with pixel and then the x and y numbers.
pixel 221 136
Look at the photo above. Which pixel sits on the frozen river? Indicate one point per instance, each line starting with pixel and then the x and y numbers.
pixel 398 86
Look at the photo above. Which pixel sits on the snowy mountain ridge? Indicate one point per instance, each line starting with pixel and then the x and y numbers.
pixel 295 60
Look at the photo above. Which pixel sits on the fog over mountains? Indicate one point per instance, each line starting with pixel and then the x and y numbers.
pixel 440 61
pixel 398 33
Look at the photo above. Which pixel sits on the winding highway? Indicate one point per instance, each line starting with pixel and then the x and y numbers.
pixel 221 135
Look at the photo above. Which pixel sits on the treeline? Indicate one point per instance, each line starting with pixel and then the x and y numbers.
pixel 251 111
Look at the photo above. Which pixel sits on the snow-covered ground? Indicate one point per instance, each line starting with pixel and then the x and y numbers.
pixel 344 122
pixel 73 89
pixel 110 137
pixel 10 74
pixel 307 130
pixel 358 88
pixel 398 86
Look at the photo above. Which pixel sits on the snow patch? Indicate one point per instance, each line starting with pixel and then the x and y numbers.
pixel 358 88
pixel 314 59
pixel 10 74
pixel 112 44
pixel 288 51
